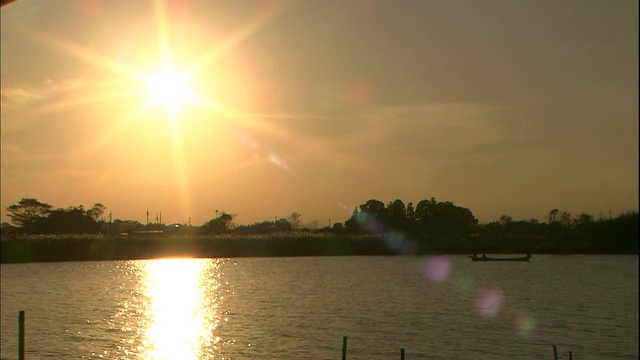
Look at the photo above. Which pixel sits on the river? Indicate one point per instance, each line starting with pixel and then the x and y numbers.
pixel 435 307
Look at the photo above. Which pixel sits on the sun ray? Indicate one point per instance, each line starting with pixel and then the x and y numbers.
pixel 244 32
pixel 128 84
pixel 89 56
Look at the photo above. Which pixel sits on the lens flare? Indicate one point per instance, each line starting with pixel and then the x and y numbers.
pixel 278 162
pixel 437 268
pixel 489 302
pixel 526 324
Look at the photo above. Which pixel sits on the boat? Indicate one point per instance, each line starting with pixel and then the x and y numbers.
pixel 484 257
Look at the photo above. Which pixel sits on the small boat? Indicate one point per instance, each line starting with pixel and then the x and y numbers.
pixel 484 257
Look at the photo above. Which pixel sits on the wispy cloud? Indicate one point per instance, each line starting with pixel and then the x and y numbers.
pixel 427 134
pixel 26 105
pixel 23 95
pixel 18 95
pixel 13 154
pixel 437 129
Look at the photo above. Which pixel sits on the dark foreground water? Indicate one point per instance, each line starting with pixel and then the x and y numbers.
pixel 299 308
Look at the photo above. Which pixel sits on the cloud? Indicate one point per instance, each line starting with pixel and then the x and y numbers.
pixel 18 95
pixel 51 95
pixel 410 137
pixel 430 133
pixel 46 90
pixel 13 154
pixel 23 101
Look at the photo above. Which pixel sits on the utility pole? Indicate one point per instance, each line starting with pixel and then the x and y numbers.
pixel 110 222
pixel 147 219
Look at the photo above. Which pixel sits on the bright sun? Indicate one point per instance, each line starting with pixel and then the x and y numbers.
pixel 169 88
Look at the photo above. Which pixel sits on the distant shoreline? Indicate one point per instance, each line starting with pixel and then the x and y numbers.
pixel 57 248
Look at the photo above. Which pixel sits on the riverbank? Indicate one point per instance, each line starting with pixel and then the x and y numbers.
pixel 52 248
pixel 44 248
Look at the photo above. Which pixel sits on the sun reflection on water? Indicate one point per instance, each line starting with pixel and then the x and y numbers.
pixel 175 311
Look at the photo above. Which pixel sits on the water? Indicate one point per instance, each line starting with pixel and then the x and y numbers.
pixel 300 308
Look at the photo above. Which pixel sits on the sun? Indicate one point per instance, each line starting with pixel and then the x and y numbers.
pixel 170 88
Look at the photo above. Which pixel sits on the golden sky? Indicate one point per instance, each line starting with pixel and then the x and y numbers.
pixel 263 108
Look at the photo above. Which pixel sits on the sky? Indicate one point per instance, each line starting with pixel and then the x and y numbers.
pixel 264 108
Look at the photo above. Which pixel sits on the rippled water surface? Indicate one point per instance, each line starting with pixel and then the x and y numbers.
pixel 439 307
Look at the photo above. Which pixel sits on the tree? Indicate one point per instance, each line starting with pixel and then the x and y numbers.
pixel 353 225
pixel 411 211
pixel 294 219
pixel 505 220
pixel 444 218
pixel 73 220
pixel 425 211
pixel 374 208
pixel 397 213
pixel 282 225
pixel 552 216
pixel 27 212
pixel 96 211
pixel 584 219
pixel 565 219
pixel 221 224
pixel 373 217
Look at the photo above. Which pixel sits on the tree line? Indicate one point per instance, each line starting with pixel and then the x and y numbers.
pixel 30 216
pixel 429 226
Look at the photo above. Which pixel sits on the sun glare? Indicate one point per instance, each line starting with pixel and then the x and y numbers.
pixel 169 88
pixel 178 327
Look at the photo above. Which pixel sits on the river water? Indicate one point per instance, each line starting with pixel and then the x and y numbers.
pixel 435 307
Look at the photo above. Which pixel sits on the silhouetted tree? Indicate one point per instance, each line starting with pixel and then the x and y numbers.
pixel 372 218
pixel 264 227
pixel 425 211
pixel 411 211
pixel 397 214
pixel 221 224
pixel 374 208
pixel 27 212
pixel 565 219
pixel 73 220
pixel 583 219
pixel 352 224
pixel 551 217
pixel 96 211
pixel 505 220
pixel 444 218
pixel 294 219
pixel 282 225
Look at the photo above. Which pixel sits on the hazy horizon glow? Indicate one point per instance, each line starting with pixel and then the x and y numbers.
pixel 503 107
